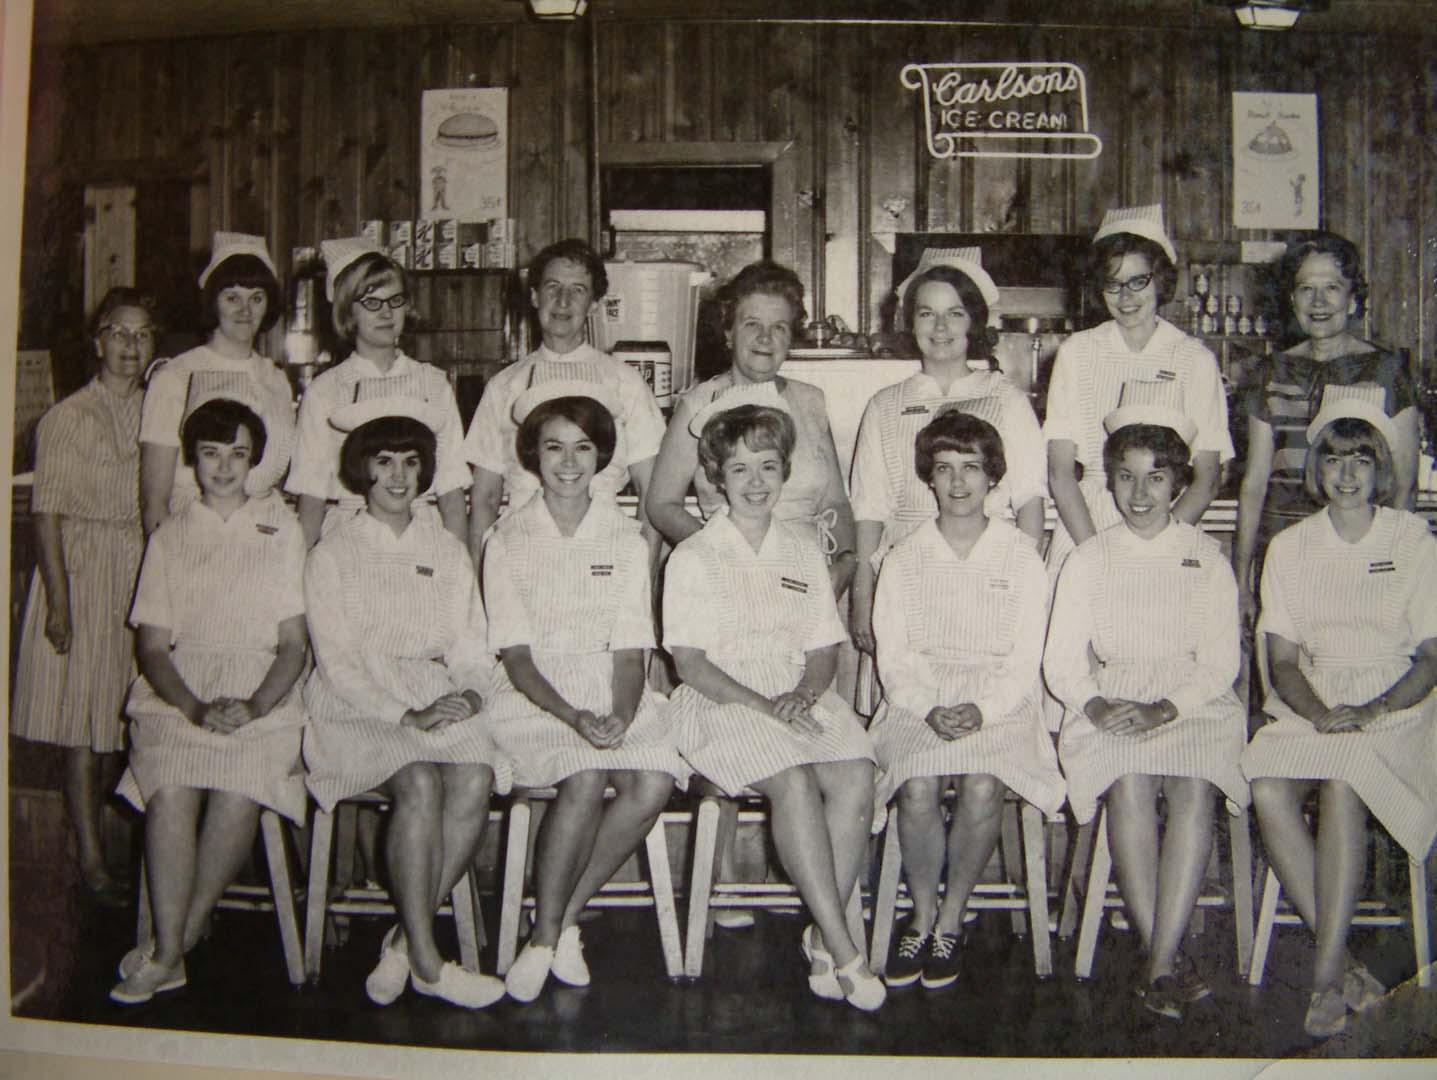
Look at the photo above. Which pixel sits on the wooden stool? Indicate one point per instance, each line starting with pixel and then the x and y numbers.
pixel 1028 902
pixel 657 893
pixel 279 898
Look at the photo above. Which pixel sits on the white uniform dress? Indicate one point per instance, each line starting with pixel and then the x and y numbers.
pixel 755 615
pixel 1161 618
pixel 952 631
pixel 491 440
pixel 1095 371
pixel 396 623
pixel 574 601
pixel 1357 612
pixel 315 469
pixel 202 372
pixel 221 588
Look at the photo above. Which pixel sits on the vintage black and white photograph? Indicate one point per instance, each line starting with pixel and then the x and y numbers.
pixel 805 533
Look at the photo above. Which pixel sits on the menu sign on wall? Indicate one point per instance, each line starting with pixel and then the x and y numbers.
pixel 1026 109
pixel 1275 179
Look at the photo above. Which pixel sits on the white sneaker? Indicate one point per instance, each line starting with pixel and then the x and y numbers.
pixel 568 964
pixel 150 979
pixel 386 982
pixel 861 988
pixel 468 989
pixel 530 972
pixel 135 959
pixel 821 978
pixel 733 919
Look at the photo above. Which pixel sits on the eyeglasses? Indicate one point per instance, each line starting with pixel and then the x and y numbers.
pixel 378 303
pixel 554 291
pixel 140 337
pixel 1134 285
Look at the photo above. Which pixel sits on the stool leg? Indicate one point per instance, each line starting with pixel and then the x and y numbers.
pixel 1266 917
pixel 1093 901
pixel 701 885
pixel 1008 848
pixel 322 835
pixel 1035 886
pixel 1239 840
pixel 461 899
pixel 516 857
pixel 278 860
pixel 1421 934
pixel 1079 853
pixel 885 906
pixel 661 882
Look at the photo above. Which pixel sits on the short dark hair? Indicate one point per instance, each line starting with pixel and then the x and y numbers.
pixel 219 420
pixel 1342 250
pixel 1166 445
pixel 964 433
pixel 760 427
pixel 118 297
pixel 396 434
pixel 1114 246
pixel 766 278
pixel 355 282
pixel 244 271
pixel 585 413
pixel 575 250
pixel 981 339
pixel 1351 435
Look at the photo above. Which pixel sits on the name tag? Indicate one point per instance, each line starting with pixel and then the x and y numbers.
pixel 999 584
pixel 1382 566
pixel 794 584
pixel 1164 375
pixel 1194 563
pixel 424 571
pixel 915 410
pixel 265 530
pixel 601 569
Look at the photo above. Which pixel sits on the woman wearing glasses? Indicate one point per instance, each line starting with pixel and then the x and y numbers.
pixel 367 291
pixel 76 653
pixel 1135 358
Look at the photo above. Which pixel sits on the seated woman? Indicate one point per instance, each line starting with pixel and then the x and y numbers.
pixel 961 608
pixel 1351 634
pixel 216 718
pixel 403 670
pixel 566 588
pixel 1155 602
pixel 754 630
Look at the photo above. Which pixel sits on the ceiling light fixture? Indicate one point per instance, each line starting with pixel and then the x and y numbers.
pixel 1271 14
pixel 558 10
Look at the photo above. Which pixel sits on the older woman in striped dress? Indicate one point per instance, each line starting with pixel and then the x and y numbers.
pixel 753 629
pixel 1351 635
pixel 1155 602
pixel 216 718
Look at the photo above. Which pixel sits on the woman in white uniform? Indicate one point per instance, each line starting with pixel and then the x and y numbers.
pixel 216 719
pixel 403 670
pixel 370 298
pixel 1155 602
pixel 754 630
pixel 1351 635
pixel 566 589
pixel 960 614
pixel 241 298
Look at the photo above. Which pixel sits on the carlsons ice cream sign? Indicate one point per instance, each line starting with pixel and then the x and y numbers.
pixel 1032 109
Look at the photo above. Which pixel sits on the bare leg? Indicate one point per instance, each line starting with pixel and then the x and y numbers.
pixel 1341 868
pixel 84 797
pixel 412 853
pixel 1287 841
pixel 1187 842
pixel 565 841
pixel 626 821
pixel 847 791
pixel 1133 838
pixel 971 840
pixel 226 839
pixel 920 836
pixel 171 815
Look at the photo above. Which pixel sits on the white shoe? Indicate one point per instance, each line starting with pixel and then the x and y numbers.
pixel 135 959
pixel 386 982
pixel 468 989
pixel 150 979
pixel 733 919
pixel 1360 988
pixel 821 978
pixel 861 988
pixel 530 972
pixel 568 964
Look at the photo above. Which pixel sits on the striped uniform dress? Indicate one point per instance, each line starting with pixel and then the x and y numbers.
pixel 1161 619
pixel 1358 612
pixel 221 588
pixel 315 469
pixel 755 615
pixel 396 624
pixel 202 373
pixel 87 469
pixel 954 631
pixel 574 601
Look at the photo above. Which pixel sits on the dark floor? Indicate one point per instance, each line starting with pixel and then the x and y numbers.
pixel 753 998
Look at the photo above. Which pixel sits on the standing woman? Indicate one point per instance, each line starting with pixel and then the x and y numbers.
pixel 1351 634
pixel 754 632
pixel 961 610
pixel 216 718
pixel 76 653
pixel 566 588
pixel 1155 602
pixel 241 298
pixel 402 672
pixel 369 297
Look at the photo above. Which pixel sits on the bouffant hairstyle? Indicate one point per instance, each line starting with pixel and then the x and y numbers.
pixel 246 272
pixel 766 278
pixel 395 434
pixel 1167 447
pixel 981 338
pixel 1349 435
pixel 1342 250
pixel 356 281
pixel 584 413
pixel 965 434
pixel 219 420
pixel 758 426
pixel 575 250
pixel 1109 251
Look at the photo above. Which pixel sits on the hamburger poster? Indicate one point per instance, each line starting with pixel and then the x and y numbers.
pixel 464 154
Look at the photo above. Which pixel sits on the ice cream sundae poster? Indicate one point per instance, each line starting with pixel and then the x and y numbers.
pixel 1275 179
pixel 464 154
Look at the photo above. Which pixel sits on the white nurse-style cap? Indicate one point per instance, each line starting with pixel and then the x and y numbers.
pixel 549 389
pixel 967 261
pixel 226 245
pixel 341 254
pixel 1145 221
pixel 1153 415
pixel 1351 403
pixel 358 413
pixel 764 393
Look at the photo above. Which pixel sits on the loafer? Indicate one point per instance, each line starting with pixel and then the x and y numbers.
pixel 943 963
pixel 861 988
pixel 1163 996
pixel 147 981
pixel 733 919
pixel 467 989
pixel 1191 986
pixel 1360 988
pixel 821 978
pixel 568 965
pixel 905 961
pixel 1326 1013
pixel 133 960
pixel 530 972
pixel 386 982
